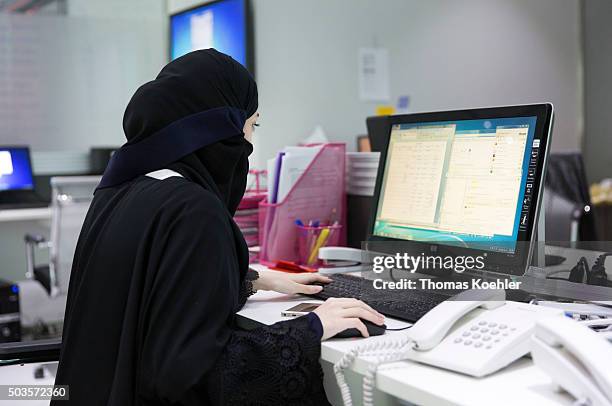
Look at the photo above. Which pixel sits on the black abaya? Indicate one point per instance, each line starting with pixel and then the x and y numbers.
pixel 160 270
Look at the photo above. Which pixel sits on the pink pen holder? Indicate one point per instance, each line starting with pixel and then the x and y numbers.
pixel 311 239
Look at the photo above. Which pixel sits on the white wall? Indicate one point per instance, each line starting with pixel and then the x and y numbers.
pixel 444 54
pixel 65 80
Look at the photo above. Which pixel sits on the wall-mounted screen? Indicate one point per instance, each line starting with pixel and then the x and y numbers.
pixel 222 25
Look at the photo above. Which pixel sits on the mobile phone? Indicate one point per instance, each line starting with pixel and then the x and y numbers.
pixel 299 310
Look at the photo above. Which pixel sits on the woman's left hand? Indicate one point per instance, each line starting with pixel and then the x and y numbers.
pixel 290 283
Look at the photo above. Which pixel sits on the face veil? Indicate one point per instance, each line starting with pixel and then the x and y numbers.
pixel 190 119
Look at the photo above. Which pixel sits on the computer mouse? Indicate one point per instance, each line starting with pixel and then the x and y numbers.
pixel 373 330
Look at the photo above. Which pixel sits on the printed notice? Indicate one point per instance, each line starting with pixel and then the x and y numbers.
pixel 374 74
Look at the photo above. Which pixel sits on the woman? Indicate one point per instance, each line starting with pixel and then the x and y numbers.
pixel 161 269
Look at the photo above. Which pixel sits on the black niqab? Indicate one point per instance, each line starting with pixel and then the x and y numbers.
pixel 211 96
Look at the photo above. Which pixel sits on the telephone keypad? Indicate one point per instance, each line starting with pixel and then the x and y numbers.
pixel 484 334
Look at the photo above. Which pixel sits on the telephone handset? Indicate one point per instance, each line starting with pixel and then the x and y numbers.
pixel 576 358
pixel 475 333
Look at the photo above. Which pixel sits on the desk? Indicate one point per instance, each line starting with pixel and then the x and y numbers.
pixel 408 382
pixel 42 213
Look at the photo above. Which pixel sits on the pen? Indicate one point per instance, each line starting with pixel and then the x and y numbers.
pixel 320 242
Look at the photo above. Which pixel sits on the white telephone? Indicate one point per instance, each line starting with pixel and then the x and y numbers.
pixel 476 333
pixel 577 359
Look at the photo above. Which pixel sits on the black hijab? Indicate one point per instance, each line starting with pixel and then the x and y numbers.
pixel 190 119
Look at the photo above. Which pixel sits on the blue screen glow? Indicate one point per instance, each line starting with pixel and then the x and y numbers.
pixel 15 169
pixel 220 25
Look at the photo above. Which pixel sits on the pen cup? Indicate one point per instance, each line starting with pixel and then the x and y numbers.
pixel 310 239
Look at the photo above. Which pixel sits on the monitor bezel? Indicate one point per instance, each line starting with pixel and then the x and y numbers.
pixel 248 32
pixel 513 264
pixel 28 154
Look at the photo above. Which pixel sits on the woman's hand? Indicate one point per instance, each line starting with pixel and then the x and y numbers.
pixel 339 314
pixel 290 283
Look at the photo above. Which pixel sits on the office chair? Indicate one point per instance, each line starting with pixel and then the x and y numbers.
pixel 70 200
pixel 562 218
pixel 566 178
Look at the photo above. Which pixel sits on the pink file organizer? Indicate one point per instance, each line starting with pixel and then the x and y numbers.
pixel 317 195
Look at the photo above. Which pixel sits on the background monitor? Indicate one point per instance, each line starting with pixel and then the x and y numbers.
pixel 222 24
pixel 15 169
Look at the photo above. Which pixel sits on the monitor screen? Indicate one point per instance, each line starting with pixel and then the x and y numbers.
pixel 15 169
pixel 465 182
pixel 220 25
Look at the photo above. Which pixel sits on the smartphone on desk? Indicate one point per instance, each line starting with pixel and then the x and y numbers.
pixel 300 310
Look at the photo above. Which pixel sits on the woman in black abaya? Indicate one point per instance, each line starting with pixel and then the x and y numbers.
pixel 161 268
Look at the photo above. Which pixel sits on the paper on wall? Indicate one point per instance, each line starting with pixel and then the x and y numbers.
pixel 374 74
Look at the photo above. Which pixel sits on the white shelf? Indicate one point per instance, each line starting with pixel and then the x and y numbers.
pixel 43 213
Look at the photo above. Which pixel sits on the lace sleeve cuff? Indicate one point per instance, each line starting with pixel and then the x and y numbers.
pixel 247 288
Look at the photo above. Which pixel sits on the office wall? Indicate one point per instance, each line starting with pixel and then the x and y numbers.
pixel 597 146
pixel 444 54
pixel 65 80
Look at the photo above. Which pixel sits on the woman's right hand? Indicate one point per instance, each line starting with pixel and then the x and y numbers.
pixel 339 314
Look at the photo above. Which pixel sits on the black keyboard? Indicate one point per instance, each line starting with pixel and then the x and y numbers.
pixel 408 305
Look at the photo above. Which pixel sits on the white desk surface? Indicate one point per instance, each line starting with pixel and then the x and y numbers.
pixel 42 213
pixel 521 383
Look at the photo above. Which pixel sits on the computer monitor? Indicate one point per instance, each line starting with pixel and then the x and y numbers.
pixel 223 25
pixel 15 169
pixel 465 181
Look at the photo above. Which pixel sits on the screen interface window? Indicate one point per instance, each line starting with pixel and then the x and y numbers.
pixel 15 171
pixel 465 183
pixel 219 25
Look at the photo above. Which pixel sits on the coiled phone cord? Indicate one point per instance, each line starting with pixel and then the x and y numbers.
pixel 386 351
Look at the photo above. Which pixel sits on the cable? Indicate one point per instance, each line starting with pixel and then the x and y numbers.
pixel 398 329
pixel 600 261
pixel 597 275
pixel 386 351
